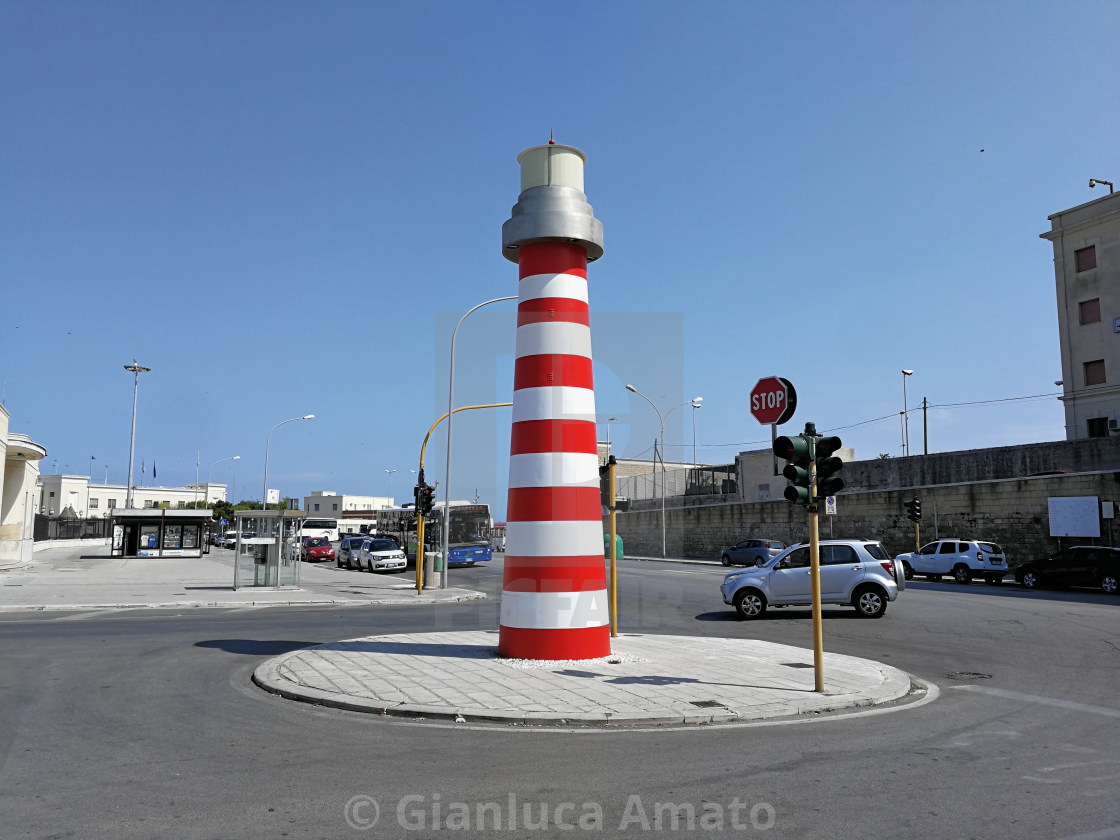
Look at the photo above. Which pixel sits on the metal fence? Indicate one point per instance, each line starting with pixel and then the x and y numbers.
pixel 48 528
pixel 701 481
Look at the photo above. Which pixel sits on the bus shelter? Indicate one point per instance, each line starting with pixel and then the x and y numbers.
pixel 160 533
pixel 267 550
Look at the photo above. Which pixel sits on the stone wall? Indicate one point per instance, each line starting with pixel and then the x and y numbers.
pixel 1013 513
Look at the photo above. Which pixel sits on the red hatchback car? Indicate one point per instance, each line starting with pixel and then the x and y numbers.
pixel 316 549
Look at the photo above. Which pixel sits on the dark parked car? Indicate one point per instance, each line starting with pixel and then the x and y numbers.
pixel 1081 565
pixel 752 552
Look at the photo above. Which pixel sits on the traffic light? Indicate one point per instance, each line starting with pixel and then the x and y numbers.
pixel 914 510
pixel 426 500
pixel 798 450
pixel 828 482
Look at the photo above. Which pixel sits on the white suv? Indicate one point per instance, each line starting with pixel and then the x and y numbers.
pixel 963 559
pixel 855 572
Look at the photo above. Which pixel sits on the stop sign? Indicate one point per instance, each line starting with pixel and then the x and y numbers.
pixel 773 400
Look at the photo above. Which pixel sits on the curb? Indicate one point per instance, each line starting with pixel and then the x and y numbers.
pixel 679 561
pixel 169 605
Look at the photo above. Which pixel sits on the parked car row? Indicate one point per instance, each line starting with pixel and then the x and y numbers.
pixel 862 574
pixel 371 553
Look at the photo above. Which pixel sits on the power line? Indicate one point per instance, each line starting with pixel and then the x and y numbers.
pixel 884 418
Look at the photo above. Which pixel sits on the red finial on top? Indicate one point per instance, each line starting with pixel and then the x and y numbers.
pixel 551 142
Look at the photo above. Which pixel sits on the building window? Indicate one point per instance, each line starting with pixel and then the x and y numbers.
pixel 93 504
pixel 1086 258
pixel 1091 311
pixel 112 503
pixel 1098 426
pixel 334 506
pixel 1094 372
pixel 148 504
pixel 52 494
pixel 182 504
pixel 316 506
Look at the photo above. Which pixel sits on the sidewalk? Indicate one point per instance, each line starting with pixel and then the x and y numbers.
pixel 87 578
pixel 648 680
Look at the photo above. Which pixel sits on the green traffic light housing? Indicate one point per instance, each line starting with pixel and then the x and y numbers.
pixel 828 483
pixel 798 450
pixel 914 509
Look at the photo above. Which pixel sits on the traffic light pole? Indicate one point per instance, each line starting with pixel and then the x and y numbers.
pixel 614 549
pixel 815 578
pixel 446 501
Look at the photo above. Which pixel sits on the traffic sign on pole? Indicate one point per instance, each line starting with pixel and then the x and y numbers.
pixel 773 400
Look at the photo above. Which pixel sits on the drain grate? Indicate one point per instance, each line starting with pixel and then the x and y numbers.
pixel 797 665
pixel 706 704
pixel 968 675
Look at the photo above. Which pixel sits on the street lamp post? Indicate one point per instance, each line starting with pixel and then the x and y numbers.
pixel 661 423
pixel 211 470
pixel 135 370
pixel 906 412
pixel 450 414
pixel 696 403
pixel 609 421
pixel 264 494
pixel 390 473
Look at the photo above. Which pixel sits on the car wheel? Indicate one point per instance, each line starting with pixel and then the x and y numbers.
pixel 1030 580
pixel 726 560
pixel 870 602
pixel 1108 583
pixel 934 578
pixel 962 574
pixel 993 580
pixel 750 603
pixel 907 570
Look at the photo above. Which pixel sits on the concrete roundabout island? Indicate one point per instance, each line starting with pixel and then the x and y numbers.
pixel 646 680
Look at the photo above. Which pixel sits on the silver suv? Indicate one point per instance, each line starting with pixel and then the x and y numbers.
pixel 855 572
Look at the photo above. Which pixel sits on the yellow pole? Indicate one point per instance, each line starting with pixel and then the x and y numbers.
pixel 614 549
pixel 419 553
pixel 917 536
pixel 815 577
pixel 419 515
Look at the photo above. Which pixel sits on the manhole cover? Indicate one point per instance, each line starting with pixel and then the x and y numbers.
pixel 968 675
pixel 797 664
pixel 706 704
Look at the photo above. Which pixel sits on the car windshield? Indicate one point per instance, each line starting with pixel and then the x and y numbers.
pixel 317 542
pixel 876 551
pixel 381 545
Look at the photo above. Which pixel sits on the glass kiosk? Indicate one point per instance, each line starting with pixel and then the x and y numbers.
pixel 267 550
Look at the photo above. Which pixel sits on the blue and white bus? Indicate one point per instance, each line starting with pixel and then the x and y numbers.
pixel 320 528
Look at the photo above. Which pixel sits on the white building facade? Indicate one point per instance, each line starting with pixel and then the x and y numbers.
pixel 76 496
pixel 1086 242
pixel 329 503
pixel 20 457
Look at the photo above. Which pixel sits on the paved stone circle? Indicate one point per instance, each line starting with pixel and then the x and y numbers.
pixel 648 679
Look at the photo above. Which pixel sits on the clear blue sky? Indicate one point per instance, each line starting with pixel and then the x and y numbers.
pixel 282 208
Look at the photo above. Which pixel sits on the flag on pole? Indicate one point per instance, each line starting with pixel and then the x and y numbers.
pixel 153 469
pixel 142 470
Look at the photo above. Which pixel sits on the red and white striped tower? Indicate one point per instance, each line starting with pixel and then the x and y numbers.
pixel 554 596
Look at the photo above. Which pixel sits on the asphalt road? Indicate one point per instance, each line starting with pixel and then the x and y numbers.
pixel 145 724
